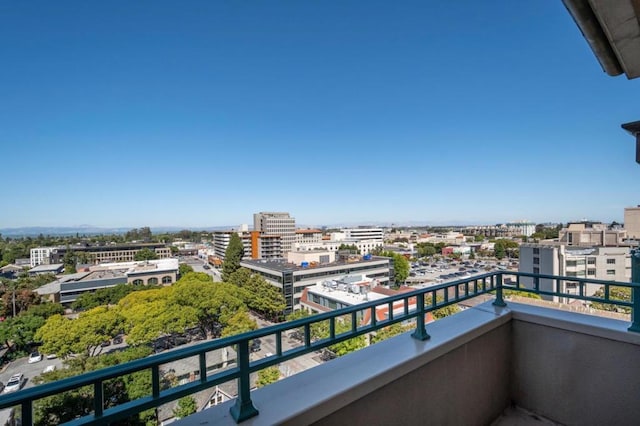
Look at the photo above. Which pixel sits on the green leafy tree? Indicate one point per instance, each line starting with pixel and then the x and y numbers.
pixel 82 336
pixel 184 269
pixel 186 406
pixel 351 247
pixel 145 254
pixel 401 266
pixel 390 331
pixel 260 296
pixel 267 376
pixel 499 250
pixel 214 304
pixel 615 293
pixel 69 261
pixel 232 257
pixel 239 323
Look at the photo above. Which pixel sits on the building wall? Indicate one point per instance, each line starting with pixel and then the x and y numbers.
pixel 632 222
pixel 276 223
pixel 598 263
pixel 575 378
pixel 39 256
pixel 292 281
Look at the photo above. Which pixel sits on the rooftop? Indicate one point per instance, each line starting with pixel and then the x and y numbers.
pixel 282 265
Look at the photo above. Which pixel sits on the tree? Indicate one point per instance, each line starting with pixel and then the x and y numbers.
pixel 267 376
pixel 145 254
pixel 82 336
pixel 390 331
pixel 232 257
pixel 258 294
pixel 401 266
pixel 615 293
pixel 184 269
pixel 499 249
pixel 69 261
pixel 351 247
pixel 186 406
pixel 238 324
pixel 213 303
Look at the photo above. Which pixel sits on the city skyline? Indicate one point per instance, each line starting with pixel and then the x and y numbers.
pixel 128 115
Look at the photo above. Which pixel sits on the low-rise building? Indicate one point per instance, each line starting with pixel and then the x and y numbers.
pixel 589 234
pixel 292 278
pixel 68 288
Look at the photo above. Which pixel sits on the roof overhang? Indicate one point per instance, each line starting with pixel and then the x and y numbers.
pixel 612 29
pixel 634 129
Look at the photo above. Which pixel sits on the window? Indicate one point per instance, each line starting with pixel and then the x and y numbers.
pixel 536 260
pixel 591 271
pixel 166 280
pixel 571 263
pixel 611 271
pixel 591 261
pixel 611 261
pixel 536 270
pixel 152 281
pixel 137 282
pixel 536 251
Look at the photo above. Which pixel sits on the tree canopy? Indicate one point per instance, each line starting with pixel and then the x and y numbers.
pixel 145 254
pixel 232 257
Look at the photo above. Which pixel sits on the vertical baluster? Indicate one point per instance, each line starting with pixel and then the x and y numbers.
pixel 421 332
pixel 243 408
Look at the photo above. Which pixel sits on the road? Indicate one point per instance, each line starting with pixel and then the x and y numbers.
pixel 198 266
pixel 287 368
pixel 30 371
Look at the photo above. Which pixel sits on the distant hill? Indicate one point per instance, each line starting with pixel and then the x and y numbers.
pixel 29 231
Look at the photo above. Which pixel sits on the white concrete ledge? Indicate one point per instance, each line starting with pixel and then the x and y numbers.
pixel 592 325
pixel 313 394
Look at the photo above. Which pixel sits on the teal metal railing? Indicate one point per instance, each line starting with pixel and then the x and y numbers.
pixel 414 306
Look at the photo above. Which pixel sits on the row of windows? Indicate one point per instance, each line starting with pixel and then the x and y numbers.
pixel 153 281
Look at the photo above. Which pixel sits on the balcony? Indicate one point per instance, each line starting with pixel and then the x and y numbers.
pixel 465 369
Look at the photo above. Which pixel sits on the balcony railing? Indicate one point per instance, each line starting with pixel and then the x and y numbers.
pixel 411 306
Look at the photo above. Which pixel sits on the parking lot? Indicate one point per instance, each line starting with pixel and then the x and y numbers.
pixel 425 274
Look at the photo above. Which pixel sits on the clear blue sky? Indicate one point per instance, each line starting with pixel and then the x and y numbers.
pixel 201 113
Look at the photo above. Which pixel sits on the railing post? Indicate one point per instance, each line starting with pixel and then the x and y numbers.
pixel 635 291
pixel 499 299
pixel 243 409
pixel 421 331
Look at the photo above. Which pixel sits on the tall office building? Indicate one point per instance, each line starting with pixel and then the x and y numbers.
pixel 269 224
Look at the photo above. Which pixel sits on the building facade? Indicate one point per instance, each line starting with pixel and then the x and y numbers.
pixel 269 224
pixel 292 278
pixel 590 234
pixel 632 222
pixel 598 263
pixel 110 253
pixel 39 256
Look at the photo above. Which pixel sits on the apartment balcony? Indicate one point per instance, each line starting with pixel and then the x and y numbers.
pixel 466 369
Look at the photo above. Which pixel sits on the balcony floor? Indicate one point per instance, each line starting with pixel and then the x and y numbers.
pixel 516 416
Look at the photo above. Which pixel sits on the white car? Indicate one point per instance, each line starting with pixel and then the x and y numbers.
pixel 49 369
pixel 14 383
pixel 35 357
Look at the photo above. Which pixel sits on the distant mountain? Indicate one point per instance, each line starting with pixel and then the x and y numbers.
pixel 29 231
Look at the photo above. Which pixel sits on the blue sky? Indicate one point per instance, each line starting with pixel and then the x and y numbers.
pixel 202 113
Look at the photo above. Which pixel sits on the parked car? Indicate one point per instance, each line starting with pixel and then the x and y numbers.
pixel 255 345
pixel 51 356
pixel 35 357
pixel 117 340
pixel 14 383
pixel 49 369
